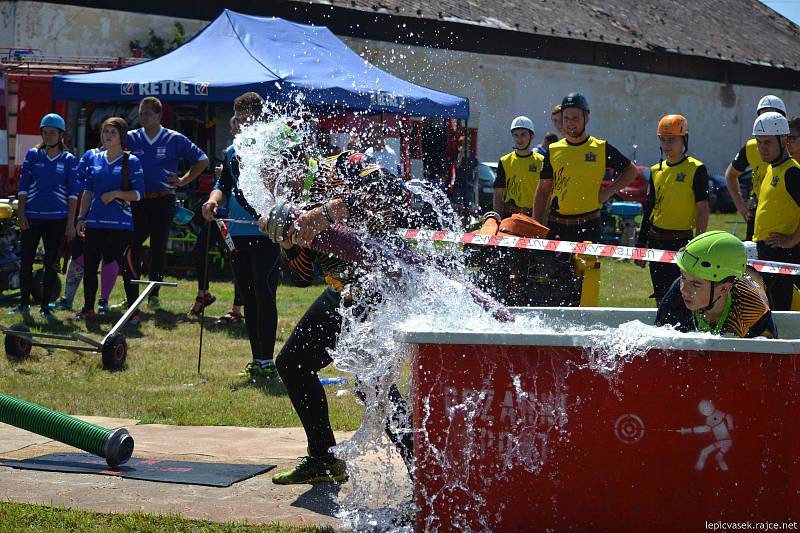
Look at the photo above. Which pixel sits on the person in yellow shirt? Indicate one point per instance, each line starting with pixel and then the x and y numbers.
pixel 777 221
pixel 793 140
pixel 748 157
pixel 677 201
pixel 518 172
pixel 570 192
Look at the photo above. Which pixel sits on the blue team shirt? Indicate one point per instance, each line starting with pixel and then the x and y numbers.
pixel 228 183
pixel 82 167
pixel 48 184
pixel 160 156
pixel 102 176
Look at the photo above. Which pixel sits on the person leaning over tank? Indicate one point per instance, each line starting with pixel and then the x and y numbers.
pixel 368 199
pixel 714 294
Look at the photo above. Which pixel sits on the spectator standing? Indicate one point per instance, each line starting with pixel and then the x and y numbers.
pixel 48 194
pixel 465 179
pixel 518 172
pixel 159 149
pixel 677 201
pixel 256 258
pixel 749 157
pixel 383 154
pixel 777 221
pixel 793 140
pixel 557 120
pixel 114 178
pixel 543 148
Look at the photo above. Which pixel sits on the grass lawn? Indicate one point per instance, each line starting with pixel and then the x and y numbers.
pixel 26 518
pixel 161 383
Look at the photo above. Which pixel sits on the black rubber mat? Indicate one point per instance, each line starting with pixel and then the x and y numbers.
pixel 186 472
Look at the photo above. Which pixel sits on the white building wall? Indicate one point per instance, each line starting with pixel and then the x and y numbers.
pixel 80 31
pixel 626 106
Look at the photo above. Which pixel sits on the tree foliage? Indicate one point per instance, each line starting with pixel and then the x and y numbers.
pixel 158 46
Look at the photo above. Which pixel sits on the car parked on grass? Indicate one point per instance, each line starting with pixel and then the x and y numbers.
pixel 487 173
pixel 636 191
pixel 719 196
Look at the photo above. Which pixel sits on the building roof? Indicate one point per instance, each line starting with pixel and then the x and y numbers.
pixel 725 41
pixel 739 31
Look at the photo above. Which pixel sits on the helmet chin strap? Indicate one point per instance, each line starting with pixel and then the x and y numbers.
pixel 711 300
pixel 781 153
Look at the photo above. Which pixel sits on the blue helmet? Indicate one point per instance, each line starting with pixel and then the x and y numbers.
pixel 54 120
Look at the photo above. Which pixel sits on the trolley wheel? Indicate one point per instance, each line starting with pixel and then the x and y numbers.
pixel 38 288
pixel 115 351
pixel 17 346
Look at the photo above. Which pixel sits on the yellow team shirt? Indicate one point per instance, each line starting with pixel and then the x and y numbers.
pixel 777 211
pixel 522 177
pixel 675 206
pixel 757 165
pixel 578 172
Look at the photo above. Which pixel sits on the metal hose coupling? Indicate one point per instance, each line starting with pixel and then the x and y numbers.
pixel 278 220
pixel 118 447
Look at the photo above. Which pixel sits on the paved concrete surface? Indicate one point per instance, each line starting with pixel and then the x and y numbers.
pixel 255 500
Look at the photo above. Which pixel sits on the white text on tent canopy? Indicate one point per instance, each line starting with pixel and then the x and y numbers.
pixel 386 99
pixel 163 88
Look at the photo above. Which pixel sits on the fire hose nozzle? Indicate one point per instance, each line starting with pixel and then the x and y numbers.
pixel 278 220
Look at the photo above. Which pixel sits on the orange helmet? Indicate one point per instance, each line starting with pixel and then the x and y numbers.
pixel 673 126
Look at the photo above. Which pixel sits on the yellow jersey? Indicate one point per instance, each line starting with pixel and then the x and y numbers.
pixel 520 177
pixel 675 193
pixel 577 172
pixel 778 206
pixel 748 156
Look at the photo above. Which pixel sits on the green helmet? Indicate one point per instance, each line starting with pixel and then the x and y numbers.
pixel 714 256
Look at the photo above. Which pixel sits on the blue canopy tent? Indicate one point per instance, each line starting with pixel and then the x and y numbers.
pixel 276 58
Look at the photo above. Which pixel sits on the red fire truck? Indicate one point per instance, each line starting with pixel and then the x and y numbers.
pixel 26 95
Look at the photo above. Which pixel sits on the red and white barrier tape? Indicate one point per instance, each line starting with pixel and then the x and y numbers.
pixel 599 250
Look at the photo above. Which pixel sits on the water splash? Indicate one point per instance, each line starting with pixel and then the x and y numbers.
pixel 432 295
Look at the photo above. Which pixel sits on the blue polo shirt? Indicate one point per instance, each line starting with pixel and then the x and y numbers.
pixel 159 156
pixel 103 176
pixel 48 183
pixel 228 183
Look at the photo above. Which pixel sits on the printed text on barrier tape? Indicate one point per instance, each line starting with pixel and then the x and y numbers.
pixel 599 250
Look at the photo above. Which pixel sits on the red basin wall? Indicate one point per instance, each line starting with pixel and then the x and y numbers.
pixel 521 438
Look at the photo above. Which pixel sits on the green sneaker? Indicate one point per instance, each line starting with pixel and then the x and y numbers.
pixel 313 470
pixel 262 369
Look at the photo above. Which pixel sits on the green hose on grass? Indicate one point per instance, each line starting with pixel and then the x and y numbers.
pixel 114 445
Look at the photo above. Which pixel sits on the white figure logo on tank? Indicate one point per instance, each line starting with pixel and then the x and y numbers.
pixel 720 425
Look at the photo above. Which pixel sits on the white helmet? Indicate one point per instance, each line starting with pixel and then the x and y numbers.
pixel 522 122
pixel 771 102
pixel 771 123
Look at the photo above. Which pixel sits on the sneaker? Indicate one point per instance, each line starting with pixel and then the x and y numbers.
pixel 47 314
pixel 230 319
pixel 20 310
pixel 261 369
pixel 135 319
pixel 102 306
pixel 153 302
pixel 63 305
pixel 86 314
pixel 313 470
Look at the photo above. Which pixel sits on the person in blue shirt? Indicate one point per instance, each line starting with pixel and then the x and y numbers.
pixel 74 275
pixel 256 258
pixel 48 194
pixel 113 178
pixel 159 149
